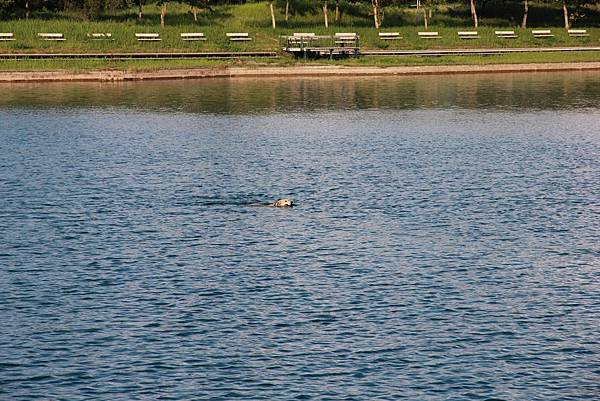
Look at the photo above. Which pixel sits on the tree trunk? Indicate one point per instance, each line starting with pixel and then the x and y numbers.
pixel 325 14
pixel 525 11
pixel 337 10
pixel 27 10
pixel 287 10
pixel 474 14
pixel 140 10
pixel 272 14
pixel 425 17
pixel 565 14
pixel 376 13
pixel 163 12
pixel 195 12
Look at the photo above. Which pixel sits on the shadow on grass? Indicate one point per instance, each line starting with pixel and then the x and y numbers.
pixel 215 17
pixel 498 13
pixel 539 15
pixel 205 17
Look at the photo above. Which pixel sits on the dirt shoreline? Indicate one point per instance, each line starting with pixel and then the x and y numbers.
pixel 289 71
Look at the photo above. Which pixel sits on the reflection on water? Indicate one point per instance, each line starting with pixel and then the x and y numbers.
pixel 444 245
pixel 521 91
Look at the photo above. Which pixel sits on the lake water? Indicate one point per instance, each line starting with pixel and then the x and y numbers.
pixel 445 243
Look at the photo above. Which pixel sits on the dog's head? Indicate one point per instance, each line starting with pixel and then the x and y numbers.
pixel 283 203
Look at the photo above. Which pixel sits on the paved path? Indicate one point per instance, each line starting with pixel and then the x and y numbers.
pixel 136 56
pixel 271 54
pixel 481 52
pixel 302 71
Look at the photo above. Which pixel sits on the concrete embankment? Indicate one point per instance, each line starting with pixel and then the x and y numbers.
pixel 289 71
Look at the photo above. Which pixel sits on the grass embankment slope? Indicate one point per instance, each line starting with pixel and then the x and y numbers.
pixel 255 19
pixel 380 61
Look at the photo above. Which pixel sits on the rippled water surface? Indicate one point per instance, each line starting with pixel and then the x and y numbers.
pixel 445 246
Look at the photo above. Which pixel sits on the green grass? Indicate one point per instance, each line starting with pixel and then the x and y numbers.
pixel 378 61
pixel 383 61
pixel 255 19
pixel 125 65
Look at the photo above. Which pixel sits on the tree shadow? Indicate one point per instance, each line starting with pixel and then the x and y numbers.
pixel 539 15
pixel 214 17
pixel 45 16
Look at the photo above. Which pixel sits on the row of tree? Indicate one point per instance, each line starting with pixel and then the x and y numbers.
pixel 93 8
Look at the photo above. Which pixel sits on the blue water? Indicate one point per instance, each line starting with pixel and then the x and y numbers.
pixel 445 245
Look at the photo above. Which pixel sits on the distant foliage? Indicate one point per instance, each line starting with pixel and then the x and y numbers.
pixel 371 12
pixel 300 7
pixel 6 6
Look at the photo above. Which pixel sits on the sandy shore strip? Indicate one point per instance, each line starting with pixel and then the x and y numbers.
pixel 288 71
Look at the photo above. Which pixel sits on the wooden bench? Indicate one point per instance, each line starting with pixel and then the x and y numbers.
pixel 192 36
pixel 305 36
pixel 148 37
pixel 389 35
pixel 345 38
pixel 542 33
pixel 5 37
pixel 468 35
pixel 578 33
pixel 301 38
pixel 100 36
pixel 429 35
pixel 506 34
pixel 238 36
pixel 52 36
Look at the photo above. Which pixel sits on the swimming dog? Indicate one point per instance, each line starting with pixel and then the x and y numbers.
pixel 282 203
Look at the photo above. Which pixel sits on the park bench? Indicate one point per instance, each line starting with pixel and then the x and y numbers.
pixel 389 35
pixel 301 38
pixel 147 37
pixel 238 36
pixel 429 35
pixel 305 36
pixel 345 38
pixel 4 37
pixel 578 33
pixel 192 36
pixel 468 35
pixel 100 36
pixel 308 36
pixel 506 34
pixel 542 33
pixel 52 36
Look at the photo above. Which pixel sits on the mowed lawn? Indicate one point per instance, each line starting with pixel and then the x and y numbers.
pixel 72 65
pixel 254 18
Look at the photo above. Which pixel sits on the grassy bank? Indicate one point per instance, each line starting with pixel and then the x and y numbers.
pixel 255 19
pixel 378 61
